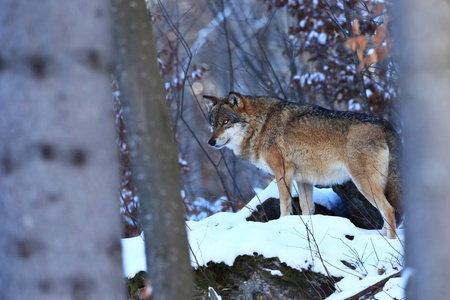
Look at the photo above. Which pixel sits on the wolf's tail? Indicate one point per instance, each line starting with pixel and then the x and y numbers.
pixel 393 190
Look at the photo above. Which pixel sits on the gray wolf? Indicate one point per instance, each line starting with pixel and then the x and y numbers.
pixel 311 145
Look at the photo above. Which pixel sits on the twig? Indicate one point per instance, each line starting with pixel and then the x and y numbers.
pixel 374 287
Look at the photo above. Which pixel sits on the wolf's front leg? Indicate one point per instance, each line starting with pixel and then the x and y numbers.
pixel 284 183
pixel 305 196
pixel 285 206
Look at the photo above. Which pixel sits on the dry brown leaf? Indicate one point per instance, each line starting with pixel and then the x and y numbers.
pixel 382 52
pixel 359 53
pixel 362 42
pixel 380 34
pixel 379 8
pixel 371 59
pixel 351 44
pixel 359 42
pixel 355 27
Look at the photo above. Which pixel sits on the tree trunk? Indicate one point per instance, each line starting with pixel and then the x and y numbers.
pixel 59 178
pixel 425 67
pixel 153 153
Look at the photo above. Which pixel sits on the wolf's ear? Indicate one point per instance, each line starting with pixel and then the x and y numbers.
pixel 210 101
pixel 236 99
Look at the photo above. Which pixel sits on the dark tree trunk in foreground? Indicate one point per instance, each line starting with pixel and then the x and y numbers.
pixel 59 207
pixel 153 153
pixel 425 69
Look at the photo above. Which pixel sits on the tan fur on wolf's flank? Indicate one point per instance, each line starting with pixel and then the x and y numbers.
pixel 311 145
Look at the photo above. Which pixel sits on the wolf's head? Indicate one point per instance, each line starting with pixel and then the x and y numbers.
pixel 227 119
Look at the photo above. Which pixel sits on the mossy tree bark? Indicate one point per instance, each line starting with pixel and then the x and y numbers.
pixel 153 152
pixel 59 172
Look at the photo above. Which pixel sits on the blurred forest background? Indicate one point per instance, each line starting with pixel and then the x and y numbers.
pixel 337 54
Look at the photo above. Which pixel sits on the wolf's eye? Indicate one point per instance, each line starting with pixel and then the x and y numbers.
pixel 225 122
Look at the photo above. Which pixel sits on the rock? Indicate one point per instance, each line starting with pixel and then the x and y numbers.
pixel 356 208
pixel 270 210
pixel 259 278
pixel 136 285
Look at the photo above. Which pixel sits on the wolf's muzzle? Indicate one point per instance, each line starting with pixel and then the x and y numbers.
pixel 212 142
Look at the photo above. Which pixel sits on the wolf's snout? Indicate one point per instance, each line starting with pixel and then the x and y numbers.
pixel 212 142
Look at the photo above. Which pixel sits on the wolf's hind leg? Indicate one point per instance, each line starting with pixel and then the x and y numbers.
pixel 369 173
pixel 374 193
pixel 305 196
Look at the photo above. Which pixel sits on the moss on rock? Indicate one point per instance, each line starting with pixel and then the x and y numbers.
pixel 257 277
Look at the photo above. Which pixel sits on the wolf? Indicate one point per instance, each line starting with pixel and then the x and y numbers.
pixel 311 145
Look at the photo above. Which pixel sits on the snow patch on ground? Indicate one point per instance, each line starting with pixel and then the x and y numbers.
pixel 133 256
pixel 318 242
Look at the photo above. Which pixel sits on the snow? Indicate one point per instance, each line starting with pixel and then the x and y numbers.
pixel 354 106
pixel 213 294
pixel 320 243
pixel 322 39
pixel 393 289
pixel 308 79
pixel 133 256
pixel 204 207
pixel 273 272
pixel 313 34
